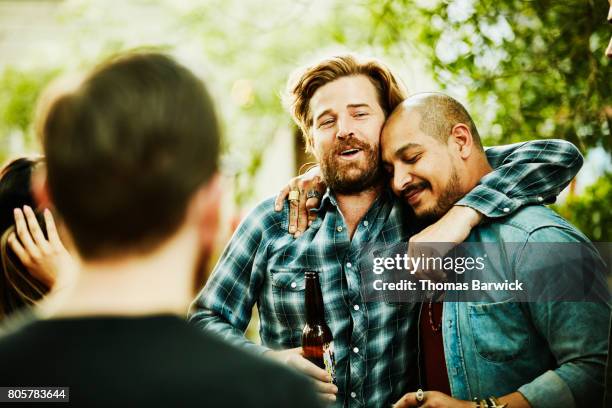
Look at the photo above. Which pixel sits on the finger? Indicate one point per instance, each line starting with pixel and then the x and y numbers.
pixel 326 387
pixel 311 370
pixel 302 214
pixel 281 197
pixel 312 204
pixel 327 397
pixel 54 238
pixel 19 250
pixel 408 400
pixel 312 215
pixel 293 216
pixel 24 234
pixel 34 227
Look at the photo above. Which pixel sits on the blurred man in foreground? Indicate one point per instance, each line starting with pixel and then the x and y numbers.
pixel 132 159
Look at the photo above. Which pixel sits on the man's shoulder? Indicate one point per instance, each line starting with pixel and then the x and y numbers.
pixel 233 376
pixel 200 362
pixel 264 216
pixel 535 221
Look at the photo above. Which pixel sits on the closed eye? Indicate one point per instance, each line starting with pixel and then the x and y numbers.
pixel 326 122
pixel 411 160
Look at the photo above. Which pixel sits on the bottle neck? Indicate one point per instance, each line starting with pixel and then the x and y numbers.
pixel 315 313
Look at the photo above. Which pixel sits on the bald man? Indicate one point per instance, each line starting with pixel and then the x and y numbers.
pixel 530 354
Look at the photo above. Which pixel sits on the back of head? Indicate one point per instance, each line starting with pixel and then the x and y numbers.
pixel 126 150
pixel 18 288
pixel 439 113
pixel 304 82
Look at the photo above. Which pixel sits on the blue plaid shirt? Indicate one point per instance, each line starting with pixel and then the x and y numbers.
pixel 375 342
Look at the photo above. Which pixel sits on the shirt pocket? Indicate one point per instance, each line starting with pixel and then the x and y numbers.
pixel 500 331
pixel 288 288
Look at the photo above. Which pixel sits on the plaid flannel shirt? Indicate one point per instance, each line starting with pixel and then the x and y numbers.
pixel 375 342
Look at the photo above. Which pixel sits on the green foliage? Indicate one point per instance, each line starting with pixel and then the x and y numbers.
pixel 18 95
pixel 530 69
pixel 527 69
pixel 591 212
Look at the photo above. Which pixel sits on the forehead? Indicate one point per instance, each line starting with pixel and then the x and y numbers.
pixel 344 91
pixel 403 130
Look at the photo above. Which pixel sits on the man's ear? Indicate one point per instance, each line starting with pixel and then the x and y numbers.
pixel 461 139
pixel 310 146
pixel 204 210
pixel 40 187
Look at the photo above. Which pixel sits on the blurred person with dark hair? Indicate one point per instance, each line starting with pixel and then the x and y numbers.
pixel 132 157
pixel 31 258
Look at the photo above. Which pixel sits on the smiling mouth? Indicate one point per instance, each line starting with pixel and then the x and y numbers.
pixel 348 153
pixel 413 194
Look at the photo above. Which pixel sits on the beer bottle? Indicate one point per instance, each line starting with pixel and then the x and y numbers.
pixel 317 339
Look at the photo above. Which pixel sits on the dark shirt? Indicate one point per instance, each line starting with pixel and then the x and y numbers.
pixel 432 346
pixel 145 361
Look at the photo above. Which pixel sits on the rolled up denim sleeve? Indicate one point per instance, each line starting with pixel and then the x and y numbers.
pixel 225 304
pixel 533 172
pixel 548 390
pixel 576 332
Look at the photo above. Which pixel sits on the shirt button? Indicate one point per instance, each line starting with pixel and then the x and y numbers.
pixel 506 210
pixel 348 264
pixel 353 395
pixel 339 229
pixel 355 350
pixel 293 284
pixel 365 223
pixel 540 199
pixel 356 307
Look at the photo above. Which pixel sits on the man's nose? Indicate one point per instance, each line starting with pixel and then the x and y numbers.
pixel 345 129
pixel 401 180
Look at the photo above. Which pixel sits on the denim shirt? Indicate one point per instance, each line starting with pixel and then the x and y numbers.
pixel 554 353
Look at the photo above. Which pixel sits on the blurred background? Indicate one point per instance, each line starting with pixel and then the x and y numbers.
pixel 524 69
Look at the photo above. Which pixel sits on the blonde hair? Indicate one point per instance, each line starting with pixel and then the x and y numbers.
pixel 304 82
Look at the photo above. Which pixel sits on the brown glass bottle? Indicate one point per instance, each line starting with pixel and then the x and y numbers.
pixel 317 339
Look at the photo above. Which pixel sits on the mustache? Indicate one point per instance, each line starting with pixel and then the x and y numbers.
pixel 350 144
pixel 414 186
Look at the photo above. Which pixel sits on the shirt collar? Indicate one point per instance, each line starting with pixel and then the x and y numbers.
pixel 329 198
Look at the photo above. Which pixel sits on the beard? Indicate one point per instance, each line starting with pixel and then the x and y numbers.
pixel 351 177
pixel 451 194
